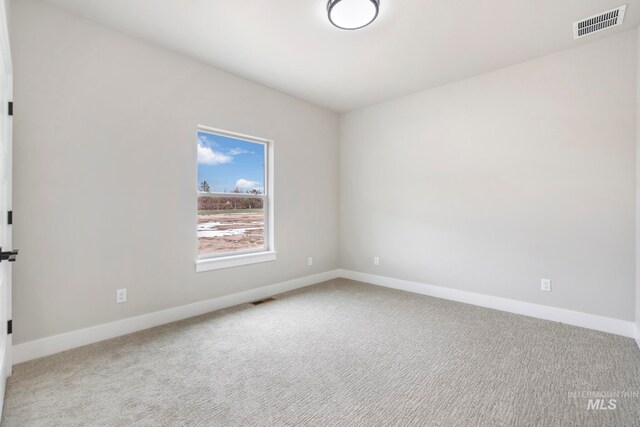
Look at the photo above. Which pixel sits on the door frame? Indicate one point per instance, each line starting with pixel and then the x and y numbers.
pixel 6 71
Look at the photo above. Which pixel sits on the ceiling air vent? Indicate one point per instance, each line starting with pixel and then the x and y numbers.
pixel 598 22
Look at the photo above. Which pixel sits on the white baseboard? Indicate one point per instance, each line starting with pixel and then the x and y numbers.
pixel 57 343
pixel 576 318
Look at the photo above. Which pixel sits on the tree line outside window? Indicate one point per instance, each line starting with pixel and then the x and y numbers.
pixel 219 203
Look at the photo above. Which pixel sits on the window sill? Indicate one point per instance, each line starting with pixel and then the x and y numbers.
pixel 234 261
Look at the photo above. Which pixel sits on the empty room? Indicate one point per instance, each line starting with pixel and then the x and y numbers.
pixel 320 213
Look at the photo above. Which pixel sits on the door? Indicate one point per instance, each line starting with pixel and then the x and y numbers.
pixel 5 200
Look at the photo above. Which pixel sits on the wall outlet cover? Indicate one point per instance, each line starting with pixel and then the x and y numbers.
pixel 545 285
pixel 121 296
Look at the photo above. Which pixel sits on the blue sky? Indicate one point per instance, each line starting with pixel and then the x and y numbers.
pixel 226 163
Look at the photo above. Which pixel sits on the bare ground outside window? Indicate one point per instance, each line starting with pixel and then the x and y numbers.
pixel 230 225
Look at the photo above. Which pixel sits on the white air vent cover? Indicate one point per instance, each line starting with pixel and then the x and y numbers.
pixel 598 22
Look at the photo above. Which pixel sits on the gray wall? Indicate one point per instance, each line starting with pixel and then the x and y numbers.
pixel 105 174
pixel 486 185
pixel 638 184
pixel 492 183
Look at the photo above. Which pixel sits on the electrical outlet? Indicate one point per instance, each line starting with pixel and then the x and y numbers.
pixel 545 285
pixel 121 295
pixel 376 260
pixel 310 260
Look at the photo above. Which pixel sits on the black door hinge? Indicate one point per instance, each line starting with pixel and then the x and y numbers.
pixel 10 217
pixel 10 109
pixel 9 326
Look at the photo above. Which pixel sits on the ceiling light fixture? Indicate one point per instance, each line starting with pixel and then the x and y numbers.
pixel 352 14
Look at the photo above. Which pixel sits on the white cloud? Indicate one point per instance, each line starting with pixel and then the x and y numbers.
pixel 236 151
pixel 245 184
pixel 207 156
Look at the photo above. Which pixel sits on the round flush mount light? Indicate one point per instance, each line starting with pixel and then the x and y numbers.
pixel 352 14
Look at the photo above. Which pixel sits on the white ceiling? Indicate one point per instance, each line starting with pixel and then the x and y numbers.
pixel 290 45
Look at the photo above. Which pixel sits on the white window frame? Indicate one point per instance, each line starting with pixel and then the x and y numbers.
pixel 250 256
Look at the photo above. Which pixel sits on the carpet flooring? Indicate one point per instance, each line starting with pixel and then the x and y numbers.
pixel 340 353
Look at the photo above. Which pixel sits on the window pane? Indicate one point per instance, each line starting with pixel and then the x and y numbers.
pixel 228 224
pixel 229 165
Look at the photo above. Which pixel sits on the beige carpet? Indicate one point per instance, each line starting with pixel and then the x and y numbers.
pixel 336 354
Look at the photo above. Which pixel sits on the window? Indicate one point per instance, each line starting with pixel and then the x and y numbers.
pixel 235 199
